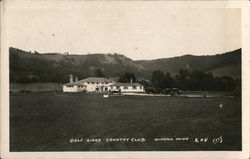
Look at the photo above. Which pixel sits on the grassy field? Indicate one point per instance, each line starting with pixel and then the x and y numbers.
pixel 48 122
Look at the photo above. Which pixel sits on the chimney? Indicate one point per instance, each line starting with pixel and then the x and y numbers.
pixel 76 78
pixel 131 80
pixel 71 78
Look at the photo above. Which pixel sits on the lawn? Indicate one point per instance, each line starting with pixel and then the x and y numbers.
pixel 49 121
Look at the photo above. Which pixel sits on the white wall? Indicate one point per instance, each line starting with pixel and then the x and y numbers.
pixel 92 87
pixel 69 89
pixel 129 89
pixel 81 88
pixel 73 89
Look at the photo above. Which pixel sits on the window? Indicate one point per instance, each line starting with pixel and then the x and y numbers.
pixel 106 88
pixel 134 87
pixel 111 87
pixel 88 82
pixel 93 82
pixel 117 87
pixel 140 87
pixel 125 87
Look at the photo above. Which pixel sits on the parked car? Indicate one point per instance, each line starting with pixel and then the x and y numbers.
pixel 172 91
pixel 175 92
pixel 167 91
pixel 115 92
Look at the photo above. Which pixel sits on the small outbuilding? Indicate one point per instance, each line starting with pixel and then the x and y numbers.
pixel 128 87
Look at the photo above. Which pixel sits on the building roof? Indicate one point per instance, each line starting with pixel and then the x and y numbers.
pixel 96 79
pixel 90 79
pixel 127 84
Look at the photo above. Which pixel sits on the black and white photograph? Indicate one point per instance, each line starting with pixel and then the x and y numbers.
pixel 123 77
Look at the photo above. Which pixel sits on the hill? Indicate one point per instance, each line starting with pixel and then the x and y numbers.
pixel 228 64
pixel 28 67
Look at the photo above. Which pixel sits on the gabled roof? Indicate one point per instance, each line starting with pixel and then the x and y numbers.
pixel 127 84
pixel 90 79
pixel 96 79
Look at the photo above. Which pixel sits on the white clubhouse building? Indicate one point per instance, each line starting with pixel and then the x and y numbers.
pixel 99 85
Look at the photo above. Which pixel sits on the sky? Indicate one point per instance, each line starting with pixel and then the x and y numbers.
pixel 136 30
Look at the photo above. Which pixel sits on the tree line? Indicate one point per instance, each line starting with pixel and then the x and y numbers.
pixel 185 80
pixel 193 80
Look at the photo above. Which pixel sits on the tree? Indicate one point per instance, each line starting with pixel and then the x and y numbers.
pixel 182 80
pixel 184 74
pixel 228 83
pixel 168 81
pixel 197 80
pixel 99 73
pixel 145 83
pixel 127 77
pixel 158 77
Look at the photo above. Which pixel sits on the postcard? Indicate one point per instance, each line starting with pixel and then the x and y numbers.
pixel 125 79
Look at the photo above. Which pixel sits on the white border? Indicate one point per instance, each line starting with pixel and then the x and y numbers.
pixel 244 5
